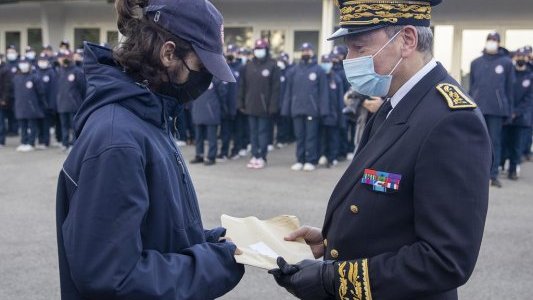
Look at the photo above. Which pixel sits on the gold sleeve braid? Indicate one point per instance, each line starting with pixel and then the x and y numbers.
pixel 352 280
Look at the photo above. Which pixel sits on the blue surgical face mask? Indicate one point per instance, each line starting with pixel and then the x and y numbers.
pixel 327 67
pixel 362 75
pixel 260 53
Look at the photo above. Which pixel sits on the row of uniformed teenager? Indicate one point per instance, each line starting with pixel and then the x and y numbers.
pixel 39 92
pixel 500 83
pixel 276 99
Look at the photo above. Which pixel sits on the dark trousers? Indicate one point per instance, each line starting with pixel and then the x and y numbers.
pixel 526 140
pixel 495 127
pixel 188 124
pixel 512 146
pixel 259 134
pixel 3 126
pixel 329 145
pixel 271 129
pixel 209 133
pixel 12 123
pixel 44 125
pixel 66 127
pixel 285 132
pixel 306 130
pixel 241 137
pixel 227 133
pixel 28 131
pixel 57 126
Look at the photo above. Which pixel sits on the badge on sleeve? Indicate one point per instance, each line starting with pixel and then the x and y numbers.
pixel 381 181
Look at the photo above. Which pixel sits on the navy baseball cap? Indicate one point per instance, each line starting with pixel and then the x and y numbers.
pixel 360 16
pixel 199 23
pixel 306 46
pixel 494 36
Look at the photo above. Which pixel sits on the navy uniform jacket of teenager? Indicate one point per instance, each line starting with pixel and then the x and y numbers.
pixel 336 102
pixel 71 88
pixel 413 229
pixel 29 96
pixel 306 92
pixel 48 78
pixel 209 108
pixel 128 222
pixel 523 104
pixel 491 83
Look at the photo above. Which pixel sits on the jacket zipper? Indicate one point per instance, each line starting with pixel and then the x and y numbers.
pixel 314 104
pixel 210 110
pixel 500 102
pixel 264 103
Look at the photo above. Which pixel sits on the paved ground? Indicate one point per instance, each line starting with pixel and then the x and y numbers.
pixel 28 262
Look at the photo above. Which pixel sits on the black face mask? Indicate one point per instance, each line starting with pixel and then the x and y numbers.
pixel 197 83
pixel 306 58
pixel 520 63
pixel 230 58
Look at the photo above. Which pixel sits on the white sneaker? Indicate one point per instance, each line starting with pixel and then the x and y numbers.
pixel 309 167
pixel 249 148
pixel 27 148
pixel 260 163
pixel 297 167
pixel 243 153
pixel 19 148
pixel 270 148
pixel 518 170
pixel 323 161
pixel 41 147
pixel 221 159
pixel 181 143
pixel 281 145
pixel 350 156
pixel 251 163
pixel 334 163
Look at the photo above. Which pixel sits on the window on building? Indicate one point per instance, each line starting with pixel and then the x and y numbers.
pixel 240 36
pixel 112 39
pixel 13 38
pixel 35 39
pixel 276 39
pixel 518 38
pixel 305 36
pixel 86 35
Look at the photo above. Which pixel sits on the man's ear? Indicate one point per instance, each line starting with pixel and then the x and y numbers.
pixel 167 53
pixel 410 40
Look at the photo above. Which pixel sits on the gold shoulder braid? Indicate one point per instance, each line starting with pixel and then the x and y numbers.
pixel 455 97
pixel 353 280
pixel 374 12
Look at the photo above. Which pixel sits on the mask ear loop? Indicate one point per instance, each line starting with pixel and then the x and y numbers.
pixel 390 41
pixel 396 66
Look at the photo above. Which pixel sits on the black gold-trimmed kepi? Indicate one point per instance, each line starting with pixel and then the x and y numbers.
pixel 357 16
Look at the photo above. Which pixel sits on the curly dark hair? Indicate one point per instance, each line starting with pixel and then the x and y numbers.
pixel 139 51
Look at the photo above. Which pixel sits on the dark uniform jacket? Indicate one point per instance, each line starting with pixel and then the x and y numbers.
pixel 523 104
pixel 29 96
pixel 6 86
pixel 336 102
pixel 128 223
pixel 259 88
pixel 233 88
pixel 307 91
pixel 70 89
pixel 211 105
pixel 491 83
pixel 48 78
pixel 420 238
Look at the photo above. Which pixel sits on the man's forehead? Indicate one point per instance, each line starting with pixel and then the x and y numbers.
pixel 366 37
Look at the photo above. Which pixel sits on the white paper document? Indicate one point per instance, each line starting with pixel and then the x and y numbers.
pixel 262 241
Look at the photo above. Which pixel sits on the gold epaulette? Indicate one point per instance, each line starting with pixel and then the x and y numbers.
pixel 455 98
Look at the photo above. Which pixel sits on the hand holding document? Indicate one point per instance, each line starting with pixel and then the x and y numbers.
pixel 262 241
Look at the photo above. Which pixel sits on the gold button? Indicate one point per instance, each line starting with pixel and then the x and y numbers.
pixel 354 209
pixel 325 242
pixel 334 253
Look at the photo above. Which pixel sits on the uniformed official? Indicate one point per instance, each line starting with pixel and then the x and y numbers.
pixel 406 219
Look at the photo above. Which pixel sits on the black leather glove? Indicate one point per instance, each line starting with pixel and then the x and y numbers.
pixel 309 279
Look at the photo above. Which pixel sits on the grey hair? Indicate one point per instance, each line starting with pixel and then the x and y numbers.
pixel 425 38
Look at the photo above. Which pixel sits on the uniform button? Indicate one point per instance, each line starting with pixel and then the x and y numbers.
pixel 325 243
pixel 354 209
pixel 334 253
